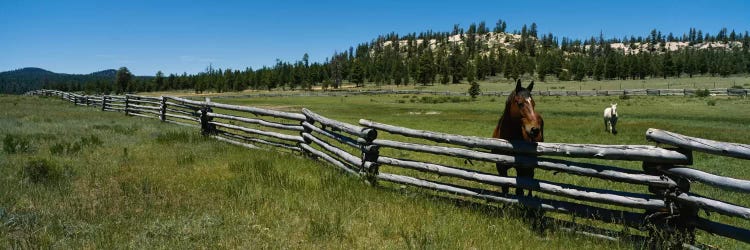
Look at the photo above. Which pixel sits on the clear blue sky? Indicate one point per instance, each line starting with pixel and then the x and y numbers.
pixel 185 36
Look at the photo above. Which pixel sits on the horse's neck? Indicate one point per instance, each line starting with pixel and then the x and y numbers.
pixel 508 127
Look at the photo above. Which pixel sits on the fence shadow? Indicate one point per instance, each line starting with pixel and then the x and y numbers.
pixel 537 220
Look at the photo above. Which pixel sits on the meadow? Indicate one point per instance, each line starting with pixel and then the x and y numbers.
pixel 77 177
pixel 497 83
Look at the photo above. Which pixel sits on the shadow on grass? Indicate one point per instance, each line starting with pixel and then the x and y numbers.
pixel 539 222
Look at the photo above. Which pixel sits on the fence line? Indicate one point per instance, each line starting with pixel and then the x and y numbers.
pixel 356 149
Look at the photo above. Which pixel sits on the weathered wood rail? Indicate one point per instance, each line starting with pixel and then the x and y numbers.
pixel 658 196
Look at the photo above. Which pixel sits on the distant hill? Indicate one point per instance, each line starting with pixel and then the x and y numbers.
pixel 25 79
pixel 105 73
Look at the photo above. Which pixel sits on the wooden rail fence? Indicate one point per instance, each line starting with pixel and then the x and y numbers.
pixel 368 149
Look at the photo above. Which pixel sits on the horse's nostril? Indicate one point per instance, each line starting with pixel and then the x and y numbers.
pixel 534 131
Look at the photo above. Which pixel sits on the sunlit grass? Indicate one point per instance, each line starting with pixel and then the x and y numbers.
pixel 139 183
pixel 498 83
pixel 567 120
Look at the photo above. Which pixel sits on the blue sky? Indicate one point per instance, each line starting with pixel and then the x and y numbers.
pixel 187 36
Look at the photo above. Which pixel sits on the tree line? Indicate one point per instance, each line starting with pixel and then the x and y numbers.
pixel 468 55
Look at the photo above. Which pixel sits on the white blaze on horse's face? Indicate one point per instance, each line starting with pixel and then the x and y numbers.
pixel 614 110
pixel 531 122
pixel 610 118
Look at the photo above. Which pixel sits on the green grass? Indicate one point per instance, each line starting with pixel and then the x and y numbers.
pixel 136 183
pixel 502 84
pixel 140 183
pixel 567 120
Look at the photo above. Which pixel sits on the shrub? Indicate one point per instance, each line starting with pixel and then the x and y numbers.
pixel 702 93
pixel 75 147
pixel 711 102
pixel 58 148
pixel 16 144
pixel 474 90
pixel 42 171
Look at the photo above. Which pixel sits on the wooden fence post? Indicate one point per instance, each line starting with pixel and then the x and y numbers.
pixel 127 101
pixel 104 102
pixel 370 153
pixel 206 127
pixel 306 130
pixel 163 109
pixel 675 224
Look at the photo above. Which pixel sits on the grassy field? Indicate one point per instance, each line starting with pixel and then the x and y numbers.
pixel 502 84
pixel 78 177
pixel 567 119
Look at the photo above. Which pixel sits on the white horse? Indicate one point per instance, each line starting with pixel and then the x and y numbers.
pixel 610 118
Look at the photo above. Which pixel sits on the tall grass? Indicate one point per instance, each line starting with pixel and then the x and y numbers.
pixel 137 183
pixel 567 120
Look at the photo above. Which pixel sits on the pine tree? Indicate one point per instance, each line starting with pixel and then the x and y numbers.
pixel 357 74
pixel 457 63
pixel 159 81
pixel 542 66
pixel 474 90
pixel 471 71
pixel 123 79
pixel 425 69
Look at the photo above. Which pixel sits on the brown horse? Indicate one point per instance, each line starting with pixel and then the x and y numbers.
pixel 519 122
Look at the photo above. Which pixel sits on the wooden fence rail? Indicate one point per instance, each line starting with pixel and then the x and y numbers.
pixel 611 152
pixel 666 200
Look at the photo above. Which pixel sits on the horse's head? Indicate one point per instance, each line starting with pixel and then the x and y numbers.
pixel 610 118
pixel 521 106
pixel 613 109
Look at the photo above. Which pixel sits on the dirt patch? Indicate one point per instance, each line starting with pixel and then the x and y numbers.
pixel 425 113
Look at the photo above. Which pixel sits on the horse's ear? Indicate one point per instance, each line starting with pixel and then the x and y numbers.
pixel 518 84
pixel 531 86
